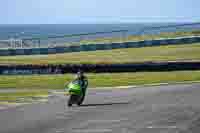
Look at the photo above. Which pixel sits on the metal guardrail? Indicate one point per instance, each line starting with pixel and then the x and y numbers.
pixel 94 47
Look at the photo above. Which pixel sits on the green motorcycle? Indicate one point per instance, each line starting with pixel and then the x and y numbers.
pixel 76 93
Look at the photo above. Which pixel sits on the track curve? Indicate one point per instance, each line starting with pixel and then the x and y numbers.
pixel 158 109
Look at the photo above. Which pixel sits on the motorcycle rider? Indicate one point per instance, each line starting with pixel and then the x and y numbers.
pixel 82 82
pixel 82 79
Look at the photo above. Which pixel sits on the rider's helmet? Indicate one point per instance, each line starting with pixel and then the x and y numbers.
pixel 79 74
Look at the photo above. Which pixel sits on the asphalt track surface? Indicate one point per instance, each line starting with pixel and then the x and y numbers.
pixel 156 109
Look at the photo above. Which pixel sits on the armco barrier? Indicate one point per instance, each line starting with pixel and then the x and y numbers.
pixel 60 49
pixel 98 68
pixel 4 52
pixel 94 47
pixel 36 51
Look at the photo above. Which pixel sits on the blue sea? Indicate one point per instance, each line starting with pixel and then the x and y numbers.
pixel 45 30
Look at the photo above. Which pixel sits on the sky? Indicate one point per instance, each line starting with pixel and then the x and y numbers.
pixel 97 11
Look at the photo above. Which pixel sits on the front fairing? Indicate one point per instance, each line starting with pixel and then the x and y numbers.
pixel 74 88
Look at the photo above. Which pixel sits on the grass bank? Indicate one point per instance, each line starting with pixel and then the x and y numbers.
pixel 130 55
pixel 163 35
pixel 34 82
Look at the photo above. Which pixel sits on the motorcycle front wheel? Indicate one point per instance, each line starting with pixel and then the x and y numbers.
pixel 72 99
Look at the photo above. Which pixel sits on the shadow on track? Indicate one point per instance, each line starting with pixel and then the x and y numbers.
pixel 104 104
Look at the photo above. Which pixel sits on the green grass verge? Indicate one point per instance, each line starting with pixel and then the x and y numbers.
pixel 130 55
pixel 14 96
pixel 120 38
pixel 163 35
pixel 34 82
